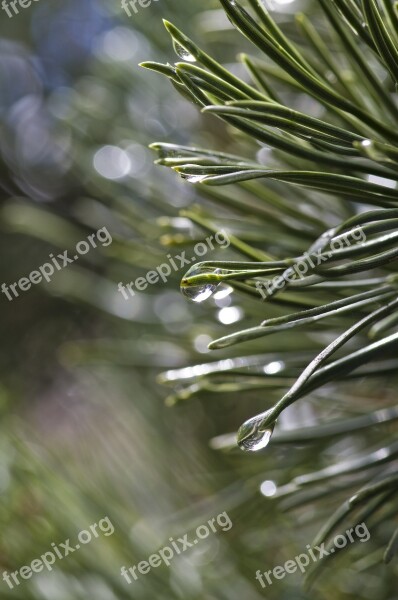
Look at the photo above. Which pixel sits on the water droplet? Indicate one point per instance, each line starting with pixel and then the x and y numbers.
pixel 183 52
pixel 205 285
pixel 199 293
pixel 368 149
pixel 195 178
pixel 373 151
pixel 366 143
pixel 252 436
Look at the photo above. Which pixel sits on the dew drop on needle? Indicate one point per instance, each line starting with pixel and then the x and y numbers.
pixel 183 52
pixel 252 437
pixel 198 292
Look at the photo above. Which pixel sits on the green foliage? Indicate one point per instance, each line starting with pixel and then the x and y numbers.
pixel 326 106
pixel 85 431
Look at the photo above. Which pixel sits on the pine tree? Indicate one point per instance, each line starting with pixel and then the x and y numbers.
pixel 311 209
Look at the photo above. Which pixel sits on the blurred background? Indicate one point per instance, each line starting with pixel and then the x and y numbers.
pixel 87 429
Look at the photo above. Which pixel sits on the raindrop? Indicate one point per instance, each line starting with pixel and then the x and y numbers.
pixel 371 151
pixel 252 437
pixel 183 52
pixel 366 143
pixel 195 178
pixel 198 292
